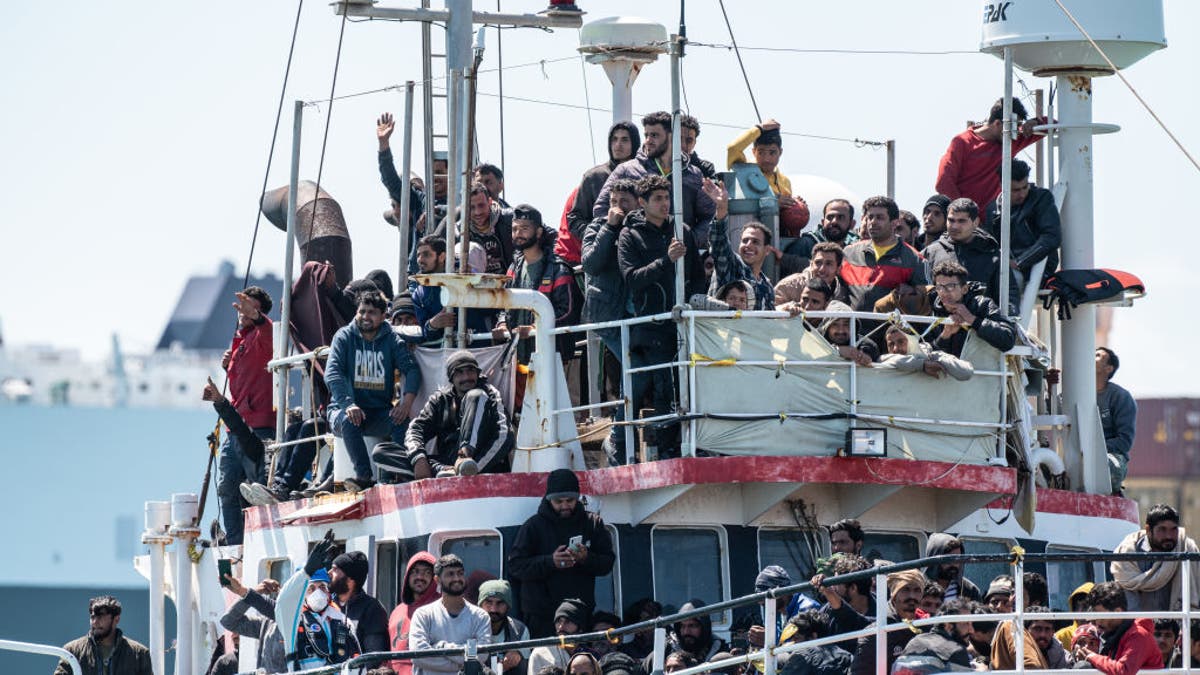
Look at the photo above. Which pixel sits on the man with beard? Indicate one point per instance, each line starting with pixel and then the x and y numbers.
pixel 968 245
pixel 450 622
pixel 1035 231
pixel 846 536
pixel 536 267
pixel 558 553
pixel 417 591
pixel 905 590
pixel 654 159
pixel 433 318
pixel 945 644
pixel 1128 644
pixel 323 634
pixel 849 606
pixel 360 375
pixel 837 332
pixel 933 220
pixel 874 267
pixel 105 649
pixel 1042 632
pixel 623 142
pixel 495 598
pixel 949 575
pixel 1004 644
pixel 1155 585
pixel 744 265
pixel 836 226
pixel 826 261
pixel 490 226
pixel 571 618
pixel 348 574
pixel 693 636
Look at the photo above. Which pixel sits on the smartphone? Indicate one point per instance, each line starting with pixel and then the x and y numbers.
pixel 575 543
pixel 224 566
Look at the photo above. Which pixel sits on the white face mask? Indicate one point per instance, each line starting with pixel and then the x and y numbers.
pixel 317 601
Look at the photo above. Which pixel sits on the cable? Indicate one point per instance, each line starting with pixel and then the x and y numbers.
pixel 337 63
pixel 745 78
pixel 587 99
pixel 1133 91
pixel 500 79
pixel 865 52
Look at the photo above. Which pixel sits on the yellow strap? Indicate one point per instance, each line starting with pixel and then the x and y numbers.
pixel 696 358
pixel 614 639
pixel 909 623
pixel 1018 554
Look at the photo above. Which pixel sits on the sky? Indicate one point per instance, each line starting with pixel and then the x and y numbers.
pixel 136 136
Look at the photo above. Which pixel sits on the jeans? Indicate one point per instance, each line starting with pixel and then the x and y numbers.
pixel 295 461
pixel 234 468
pixel 376 423
pixel 616 435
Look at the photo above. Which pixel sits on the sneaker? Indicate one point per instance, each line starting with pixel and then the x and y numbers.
pixel 358 484
pixel 257 494
pixel 466 467
pixel 613 451
pixel 281 493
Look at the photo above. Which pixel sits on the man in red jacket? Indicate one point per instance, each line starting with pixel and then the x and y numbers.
pixel 419 590
pixel 245 364
pixel 968 169
pixel 1129 644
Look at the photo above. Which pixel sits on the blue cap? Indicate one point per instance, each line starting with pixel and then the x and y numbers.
pixel 320 575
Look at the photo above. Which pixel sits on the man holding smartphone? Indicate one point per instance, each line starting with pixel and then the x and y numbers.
pixel 558 553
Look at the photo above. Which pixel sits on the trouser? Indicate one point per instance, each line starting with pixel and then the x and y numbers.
pixel 662 381
pixel 616 435
pixel 377 422
pixel 234 469
pixel 295 464
pixel 477 426
pixel 1118 467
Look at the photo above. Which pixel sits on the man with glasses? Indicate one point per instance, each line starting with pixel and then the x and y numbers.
pixel 105 649
pixel 969 309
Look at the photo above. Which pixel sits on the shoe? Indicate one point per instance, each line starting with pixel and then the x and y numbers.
pixel 281 493
pixel 257 494
pixel 466 467
pixel 358 484
pixel 614 452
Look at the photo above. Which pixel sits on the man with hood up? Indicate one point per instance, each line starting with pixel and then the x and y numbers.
pixel 558 553
pixel 1077 602
pixel 965 243
pixel 418 590
pixel 693 637
pixel 624 140
pixel 360 375
pixel 572 617
pixel 949 575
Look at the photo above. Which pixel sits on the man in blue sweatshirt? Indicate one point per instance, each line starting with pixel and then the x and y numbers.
pixel 360 375
pixel 1118 417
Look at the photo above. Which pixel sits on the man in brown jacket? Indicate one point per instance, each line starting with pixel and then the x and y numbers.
pixel 104 650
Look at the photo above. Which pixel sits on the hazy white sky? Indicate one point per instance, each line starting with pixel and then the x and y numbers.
pixel 135 137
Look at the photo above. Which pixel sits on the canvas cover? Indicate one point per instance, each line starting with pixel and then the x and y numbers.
pixel 823 392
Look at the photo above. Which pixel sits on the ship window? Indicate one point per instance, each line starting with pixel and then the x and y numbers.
pixel 385 574
pixel 792 549
pixel 480 551
pixel 279 570
pixel 687 564
pixel 892 546
pixel 982 573
pixel 608 587
pixel 1065 577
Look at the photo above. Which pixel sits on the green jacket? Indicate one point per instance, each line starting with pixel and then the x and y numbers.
pixel 129 657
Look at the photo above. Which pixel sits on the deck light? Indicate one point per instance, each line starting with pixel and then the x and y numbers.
pixel 866 442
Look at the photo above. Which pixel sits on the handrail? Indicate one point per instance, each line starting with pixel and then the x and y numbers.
pixel 1017 558
pixel 48 650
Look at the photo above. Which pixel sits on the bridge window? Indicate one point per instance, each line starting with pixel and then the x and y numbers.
pixel 793 549
pixel 893 546
pixel 1065 577
pixel 608 587
pixel 480 550
pixel 982 573
pixel 386 554
pixel 688 564
pixel 279 570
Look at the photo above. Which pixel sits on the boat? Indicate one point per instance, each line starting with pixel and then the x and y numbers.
pixel 754 486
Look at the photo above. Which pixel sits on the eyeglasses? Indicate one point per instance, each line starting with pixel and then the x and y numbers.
pixel 946 287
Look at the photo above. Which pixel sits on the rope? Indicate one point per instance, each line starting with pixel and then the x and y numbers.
pixel 587 99
pixel 1126 82
pixel 738 53
pixel 337 63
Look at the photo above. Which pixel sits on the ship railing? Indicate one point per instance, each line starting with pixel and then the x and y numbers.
pixel 48 650
pixel 686 369
pixel 769 654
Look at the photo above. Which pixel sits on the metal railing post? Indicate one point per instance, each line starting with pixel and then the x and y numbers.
pixel 289 256
pixel 1019 608
pixel 688 348
pixel 770 637
pixel 853 372
pixel 32 648
pixel 660 651
pixel 881 617
pixel 627 392
pixel 1185 585
pixel 403 222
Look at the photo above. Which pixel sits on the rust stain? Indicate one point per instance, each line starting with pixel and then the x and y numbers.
pixel 1080 84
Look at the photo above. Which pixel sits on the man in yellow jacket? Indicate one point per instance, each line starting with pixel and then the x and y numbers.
pixel 768 147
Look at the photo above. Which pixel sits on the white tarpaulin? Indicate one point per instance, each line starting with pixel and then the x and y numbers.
pixel 823 389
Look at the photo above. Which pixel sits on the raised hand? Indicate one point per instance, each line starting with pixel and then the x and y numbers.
pixel 247 306
pixel 211 393
pixel 320 552
pixel 384 127
pixel 719 195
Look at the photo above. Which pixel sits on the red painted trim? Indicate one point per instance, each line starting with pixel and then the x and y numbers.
pixel 718 470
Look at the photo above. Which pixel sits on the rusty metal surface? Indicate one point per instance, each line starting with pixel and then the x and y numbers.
pixel 321 230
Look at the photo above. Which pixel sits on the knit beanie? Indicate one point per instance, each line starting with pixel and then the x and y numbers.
pixel 940 201
pixel 772 576
pixel 354 564
pixel 496 588
pixel 403 304
pixel 460 359
pixel 562 483
pixel 577 612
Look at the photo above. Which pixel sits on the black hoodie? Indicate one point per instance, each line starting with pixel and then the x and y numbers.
pixel 939 544
pixel 650 275
pixel 980 255
pixel 593 181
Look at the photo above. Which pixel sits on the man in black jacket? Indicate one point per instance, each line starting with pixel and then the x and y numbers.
pixel 535 266
pixel 467 423
pixel 105 649
pixel 558 553
pixel 623 143
pixel 966 244
pixel 347 576
pixel 967 305
pixel 949 575
pixel 647 252
pixel 1035 231
pixel 945 645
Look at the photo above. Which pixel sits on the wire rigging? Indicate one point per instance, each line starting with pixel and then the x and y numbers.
pixel 738 53
pixel 587 100
pixel 337 63
pixel 1128 85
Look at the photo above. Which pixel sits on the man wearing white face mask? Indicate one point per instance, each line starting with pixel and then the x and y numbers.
pixel 315 631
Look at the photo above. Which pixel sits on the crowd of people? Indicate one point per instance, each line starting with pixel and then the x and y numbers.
pixel 613 256
pixel 322 616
